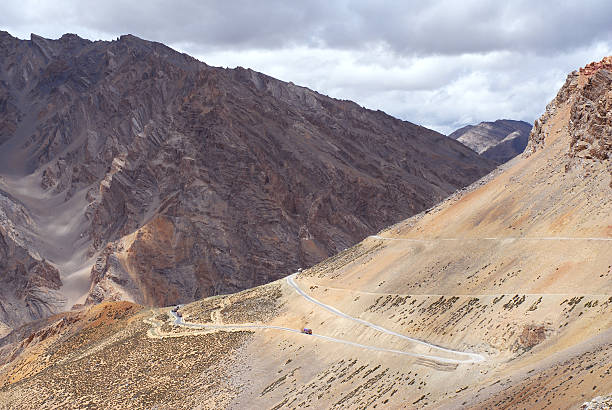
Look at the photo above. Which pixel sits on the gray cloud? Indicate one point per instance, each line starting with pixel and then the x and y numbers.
pixel 407 27
pixel 439 63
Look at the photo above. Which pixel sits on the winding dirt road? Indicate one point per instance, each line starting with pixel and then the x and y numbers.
pixel 472 357
pixel 462 357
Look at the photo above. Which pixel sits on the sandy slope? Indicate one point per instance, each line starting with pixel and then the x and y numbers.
pixel 516 269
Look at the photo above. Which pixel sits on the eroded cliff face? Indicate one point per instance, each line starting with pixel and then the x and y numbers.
pixel 587 95
pixel 591 119
pixel 28 284
pixel 152 177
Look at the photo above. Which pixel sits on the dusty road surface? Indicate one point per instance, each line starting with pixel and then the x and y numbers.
pixel 462 357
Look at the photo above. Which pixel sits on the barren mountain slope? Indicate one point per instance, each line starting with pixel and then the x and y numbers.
pixel 499 140
pixel 146 175
pixel 26 280
pixel 500 297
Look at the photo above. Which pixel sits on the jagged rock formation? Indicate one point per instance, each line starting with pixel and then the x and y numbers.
pixel 152 177
pixel 499 141
pixel 593 67
pixel 587 94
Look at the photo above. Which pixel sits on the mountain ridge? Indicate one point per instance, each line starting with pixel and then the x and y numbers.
pixel 152 177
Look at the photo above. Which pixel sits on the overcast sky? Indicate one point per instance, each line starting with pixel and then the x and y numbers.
pixel 441 64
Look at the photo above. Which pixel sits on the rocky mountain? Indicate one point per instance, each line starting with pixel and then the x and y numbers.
pixel 131 171
pixel 499 140
pixel 498 297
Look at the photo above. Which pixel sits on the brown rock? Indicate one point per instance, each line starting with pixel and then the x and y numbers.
pixel 588 96
pixel 177 180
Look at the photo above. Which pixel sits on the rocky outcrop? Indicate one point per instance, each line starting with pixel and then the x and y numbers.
pixel 587 94
pixel 591 119
pixel 175 180
pixel 593 67
pixel 499 141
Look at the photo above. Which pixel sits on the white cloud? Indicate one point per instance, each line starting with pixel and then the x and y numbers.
pixel 441 63
pixel 441 92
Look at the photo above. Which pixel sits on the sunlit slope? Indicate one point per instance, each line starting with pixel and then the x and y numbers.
pixel 517 267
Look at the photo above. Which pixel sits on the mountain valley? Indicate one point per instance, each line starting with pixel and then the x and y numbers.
pixel 500 296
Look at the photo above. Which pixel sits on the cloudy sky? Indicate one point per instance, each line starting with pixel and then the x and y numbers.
pixel 442 64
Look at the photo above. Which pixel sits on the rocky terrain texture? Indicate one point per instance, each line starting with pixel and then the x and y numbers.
pixel 29 285
pixel 516 268
pixel 139 173
pixel 499 141
pixel 598 403
pixel 595 66
pixel 587 95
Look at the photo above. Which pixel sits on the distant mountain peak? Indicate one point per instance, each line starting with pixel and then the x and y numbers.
pixel 499 140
